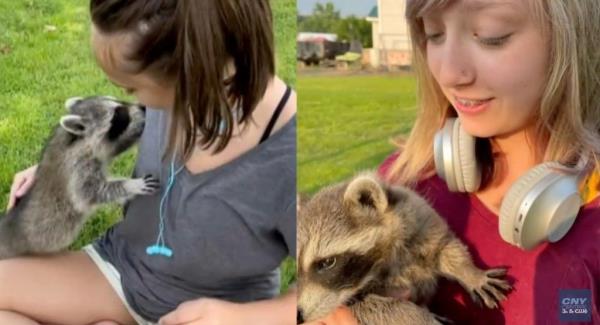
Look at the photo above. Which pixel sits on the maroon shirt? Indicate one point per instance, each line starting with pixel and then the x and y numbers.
pixel 537 276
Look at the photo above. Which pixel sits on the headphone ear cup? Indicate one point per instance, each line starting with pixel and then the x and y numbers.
pixel 438 153
pixel 515 195
pixel 467 169
pixel 443 150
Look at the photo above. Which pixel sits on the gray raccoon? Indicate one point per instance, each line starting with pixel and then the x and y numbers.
pixel 71 178
pixel 367 245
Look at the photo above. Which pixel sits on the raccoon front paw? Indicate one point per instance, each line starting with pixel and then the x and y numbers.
pixel 491 288
pixel 143 186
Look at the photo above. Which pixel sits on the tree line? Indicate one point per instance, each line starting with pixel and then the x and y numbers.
pixel 325 18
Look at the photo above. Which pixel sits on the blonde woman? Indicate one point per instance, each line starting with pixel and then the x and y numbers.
pixel 523 77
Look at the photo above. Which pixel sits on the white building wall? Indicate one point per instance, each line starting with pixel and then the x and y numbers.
pixel 391 41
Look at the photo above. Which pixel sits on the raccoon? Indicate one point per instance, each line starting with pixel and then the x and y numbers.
pixel 370 245
pixel 71 178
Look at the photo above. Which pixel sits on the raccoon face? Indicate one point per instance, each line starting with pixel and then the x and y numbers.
pixel 108 125
pixel 344 241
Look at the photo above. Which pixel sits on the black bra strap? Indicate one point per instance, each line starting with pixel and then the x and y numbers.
pixel 275 116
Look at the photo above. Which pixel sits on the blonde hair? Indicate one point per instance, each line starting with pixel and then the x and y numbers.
pixel 569 115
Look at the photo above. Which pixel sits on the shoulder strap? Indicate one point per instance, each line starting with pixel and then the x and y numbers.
pixel 275 116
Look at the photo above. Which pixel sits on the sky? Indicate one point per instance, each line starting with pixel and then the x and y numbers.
pixel 360 8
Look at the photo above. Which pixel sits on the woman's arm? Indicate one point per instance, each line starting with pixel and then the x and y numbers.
pixel 205 311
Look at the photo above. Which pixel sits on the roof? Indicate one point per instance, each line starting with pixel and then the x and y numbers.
pixel 304 36
pixel 374 13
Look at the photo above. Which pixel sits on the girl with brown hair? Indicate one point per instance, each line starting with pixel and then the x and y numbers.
pixel 220 136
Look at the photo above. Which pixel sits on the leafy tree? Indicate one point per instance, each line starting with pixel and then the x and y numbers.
pixel 354 28
pixel 323 19
pixel 326 19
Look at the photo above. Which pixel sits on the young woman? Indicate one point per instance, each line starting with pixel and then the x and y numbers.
pixel 220 135
pixel 524 78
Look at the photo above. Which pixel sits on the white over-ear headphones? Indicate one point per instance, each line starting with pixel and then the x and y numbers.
pixel 541 205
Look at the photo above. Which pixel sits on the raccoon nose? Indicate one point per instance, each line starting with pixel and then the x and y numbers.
pixel 143 108
pixel 299 317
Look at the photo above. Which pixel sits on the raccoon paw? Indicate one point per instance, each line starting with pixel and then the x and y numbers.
pixel 491 289
pixel 143 186
pixel 443 320
pixel 151 184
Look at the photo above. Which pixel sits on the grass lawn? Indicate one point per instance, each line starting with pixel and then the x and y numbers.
pixel 346 124
pixel 45 58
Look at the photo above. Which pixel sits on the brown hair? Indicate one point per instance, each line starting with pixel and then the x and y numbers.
pixel 192 43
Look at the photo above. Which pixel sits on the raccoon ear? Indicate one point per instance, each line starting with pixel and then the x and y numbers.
pixel 72 101
pixel 364 192
pixel 72 124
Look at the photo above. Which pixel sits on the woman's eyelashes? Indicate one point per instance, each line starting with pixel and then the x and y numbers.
pixel 437 38
pixel 434 38
pixel 493 41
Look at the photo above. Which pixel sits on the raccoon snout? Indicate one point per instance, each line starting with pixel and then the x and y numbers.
pixel 143 108
pixel 299 317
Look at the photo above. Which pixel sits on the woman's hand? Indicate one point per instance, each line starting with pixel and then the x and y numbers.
pixel 21 184
pixel 205 311
pixel 340 316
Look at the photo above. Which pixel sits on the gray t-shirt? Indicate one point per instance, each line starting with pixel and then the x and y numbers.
pixel 229 228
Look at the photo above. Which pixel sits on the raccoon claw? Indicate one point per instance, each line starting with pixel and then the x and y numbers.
pixel 491 291
pixel 443 320
pixel 496 273
pixel 142 186
pixel 151 184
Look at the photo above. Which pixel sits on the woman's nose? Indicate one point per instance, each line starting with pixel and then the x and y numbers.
pixel 455 65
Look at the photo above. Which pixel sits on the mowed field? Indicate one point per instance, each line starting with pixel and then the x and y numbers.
pixel 347 123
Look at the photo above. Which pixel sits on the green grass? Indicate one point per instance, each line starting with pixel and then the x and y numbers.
pixel 41 66
pixel 284 16
pixel 346 124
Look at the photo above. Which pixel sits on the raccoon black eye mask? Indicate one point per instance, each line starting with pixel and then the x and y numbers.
pixel 370 245
pixel 71 178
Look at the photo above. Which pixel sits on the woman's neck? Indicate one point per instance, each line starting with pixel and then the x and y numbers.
pixel 514 154
pixel 246 136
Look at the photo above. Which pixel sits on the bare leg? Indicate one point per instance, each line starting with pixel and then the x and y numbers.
pixel 8 317
pixel 60 289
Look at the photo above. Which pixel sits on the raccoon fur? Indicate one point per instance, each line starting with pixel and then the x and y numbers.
pixel 71 178
pixel 371 246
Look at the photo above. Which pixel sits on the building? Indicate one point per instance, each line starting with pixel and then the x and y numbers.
pixel 391 41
